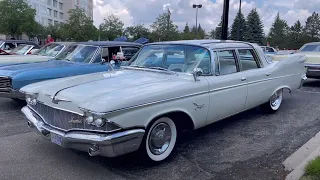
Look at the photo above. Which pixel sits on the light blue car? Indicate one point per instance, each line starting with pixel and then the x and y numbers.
pixel 77 59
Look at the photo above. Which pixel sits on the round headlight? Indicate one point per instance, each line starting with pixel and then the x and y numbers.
pixel 33 102
pixel 28 100
pixel 89 119
pixel 99 122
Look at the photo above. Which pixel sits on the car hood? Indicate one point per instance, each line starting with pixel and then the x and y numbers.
pixel 12 70
pixel 13 59
pixel 313 57
pixel 104 92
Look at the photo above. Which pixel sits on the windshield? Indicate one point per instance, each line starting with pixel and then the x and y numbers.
pixel 179 58
pixel 50 50
pixel 21 49
pixel 315 48
pixel 78 53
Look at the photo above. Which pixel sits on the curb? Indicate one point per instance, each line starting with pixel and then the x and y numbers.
pixel 299 159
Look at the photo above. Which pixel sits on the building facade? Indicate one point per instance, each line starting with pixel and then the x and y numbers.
pixel 51 12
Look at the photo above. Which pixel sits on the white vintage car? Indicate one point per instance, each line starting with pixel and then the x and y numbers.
pixel 312 51
pixel 166 88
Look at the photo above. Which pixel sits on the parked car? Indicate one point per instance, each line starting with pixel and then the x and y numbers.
pixel 8 45
pixel 312 51
pixel 76 59
pixel 268 50
pixel 45 53
pixel 167 87
pixel 282 54
pixel 24 49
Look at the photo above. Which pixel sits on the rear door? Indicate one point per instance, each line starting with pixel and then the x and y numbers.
pixel 228 88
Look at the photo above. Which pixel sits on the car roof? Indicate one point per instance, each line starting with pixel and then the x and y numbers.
pixel 313 43
pixel 110 43
pixel 209 43
pixel 63 43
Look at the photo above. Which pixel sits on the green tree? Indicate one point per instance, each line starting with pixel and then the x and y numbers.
pixel 254 32
pixel 312 27
pixel 218 30
pixel 278 35
pixel 201 32
pixel 111 28
pixel 186 33
pixel 164 29
pixel 58 31
pixel 212 34
pixel 135 32
pixel 239 21
pixel 79 27
pixel 295 37
pixel 15 16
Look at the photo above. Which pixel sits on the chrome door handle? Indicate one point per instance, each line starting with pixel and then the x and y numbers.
pixel 243 79
pixel 268 74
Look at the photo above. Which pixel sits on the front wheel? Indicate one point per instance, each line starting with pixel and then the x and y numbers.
pixel 274 102
pixel 160 139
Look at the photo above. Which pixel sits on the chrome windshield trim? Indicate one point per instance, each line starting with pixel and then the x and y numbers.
pixel 144 104
pixel 149 70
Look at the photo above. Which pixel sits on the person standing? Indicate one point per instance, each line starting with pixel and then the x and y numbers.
pixel 49 39
pixel 36 40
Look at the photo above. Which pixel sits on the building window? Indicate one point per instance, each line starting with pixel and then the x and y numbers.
pixel 55 3
pixel 56 22
pixel 49 2
pixel 49 21
pixel 76 2
pixel 61 15
pixel 55 14
pixel 49 11
pixel 60 5
pixel 42 10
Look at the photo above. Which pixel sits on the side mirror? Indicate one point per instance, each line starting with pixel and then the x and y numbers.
pixel 197 72
pixel 103 61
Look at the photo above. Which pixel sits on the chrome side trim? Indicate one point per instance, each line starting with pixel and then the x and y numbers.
pixel 268 79
pixel 227 87
pixel 144 104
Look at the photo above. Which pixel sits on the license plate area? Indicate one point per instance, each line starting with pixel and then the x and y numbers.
pixel 55 138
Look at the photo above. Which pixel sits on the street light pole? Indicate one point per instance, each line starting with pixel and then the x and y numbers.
pixel 239 23
pixel 224 33
pixel 197 6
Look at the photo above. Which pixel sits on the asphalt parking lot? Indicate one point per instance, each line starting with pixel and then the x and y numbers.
pixel 251 145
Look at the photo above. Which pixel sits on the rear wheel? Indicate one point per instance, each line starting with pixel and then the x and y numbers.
pixel 274 102
pixel 160 139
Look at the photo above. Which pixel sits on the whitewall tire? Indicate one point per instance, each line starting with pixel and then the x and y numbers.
pixel 274 102
pixel 160 139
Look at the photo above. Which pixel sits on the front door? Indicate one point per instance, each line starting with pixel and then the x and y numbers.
pixel 228 89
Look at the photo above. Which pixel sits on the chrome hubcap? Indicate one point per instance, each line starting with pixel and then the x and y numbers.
pixel 275 99
pixel 159 139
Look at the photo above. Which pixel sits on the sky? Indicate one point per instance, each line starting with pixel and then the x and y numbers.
pixel 146 11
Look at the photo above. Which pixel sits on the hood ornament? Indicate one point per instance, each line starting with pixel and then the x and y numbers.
pixel 55 100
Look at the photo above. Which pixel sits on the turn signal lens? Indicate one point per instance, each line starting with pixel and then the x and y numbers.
pixel 33 102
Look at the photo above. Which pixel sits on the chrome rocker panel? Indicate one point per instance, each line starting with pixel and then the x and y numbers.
pixel 108 145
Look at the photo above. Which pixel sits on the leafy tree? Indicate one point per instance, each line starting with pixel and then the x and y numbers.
pixel 278 33
pixel 79 27
pixel 16 15
pixel 239 21
pixel 58 31
pixel 254 28
pixel 111 28
pixel 312 27
pixel 136 32
pixel 212 34
pixel 164 29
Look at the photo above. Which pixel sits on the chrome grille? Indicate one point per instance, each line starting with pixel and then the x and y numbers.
pixel 5 84
pixel 62 119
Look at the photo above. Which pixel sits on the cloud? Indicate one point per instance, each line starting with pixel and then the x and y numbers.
pixel 146 11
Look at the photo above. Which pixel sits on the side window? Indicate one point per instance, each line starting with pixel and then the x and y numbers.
pixel 270 49
pixel 247 59
pixel 227 62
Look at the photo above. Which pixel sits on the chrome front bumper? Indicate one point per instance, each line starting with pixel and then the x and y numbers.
pixel 11 93
pixel 313 70
pixel 104 144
